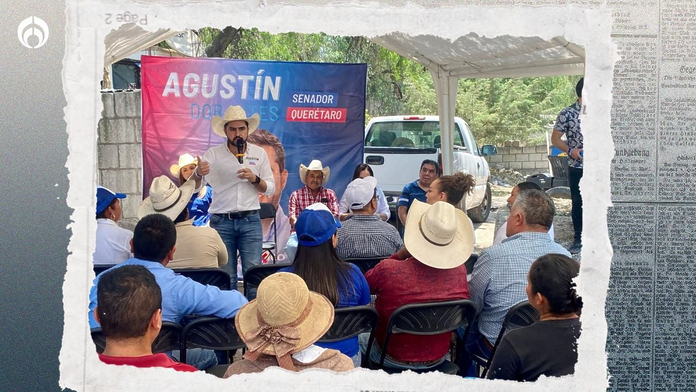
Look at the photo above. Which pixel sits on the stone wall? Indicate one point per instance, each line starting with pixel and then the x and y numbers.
pixel 524 159
pixel 119 156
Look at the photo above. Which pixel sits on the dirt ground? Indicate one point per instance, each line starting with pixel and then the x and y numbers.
pixel 485 232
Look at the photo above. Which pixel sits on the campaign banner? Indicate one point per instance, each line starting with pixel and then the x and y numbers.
pixel 316 111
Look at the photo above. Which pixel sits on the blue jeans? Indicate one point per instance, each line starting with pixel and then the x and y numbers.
pixel 376 353
pixel 244 235
pixel 197 357
pixel 475 345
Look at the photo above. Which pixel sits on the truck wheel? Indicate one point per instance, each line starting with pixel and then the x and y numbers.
pixel 480 214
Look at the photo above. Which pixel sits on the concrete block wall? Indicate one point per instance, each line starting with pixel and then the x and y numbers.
pixel 119 153
pixel 524 159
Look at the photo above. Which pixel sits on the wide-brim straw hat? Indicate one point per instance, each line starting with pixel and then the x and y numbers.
pixel 184 160
pixel 439 235
pixel 285 318
pixel 234 113
pixel 314 165
pixel 166 198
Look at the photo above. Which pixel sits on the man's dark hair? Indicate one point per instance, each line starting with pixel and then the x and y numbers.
pixel 127 297
pixel 431 162
pixel 527 185
pixel 262 137
pixel 153 237
pixel 552 275
pixel 359 169
pixel 578 87
pixel 537 207
pixel 456 185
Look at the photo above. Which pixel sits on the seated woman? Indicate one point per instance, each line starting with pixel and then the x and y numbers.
pixel 361 171
pixel 281 326
pixel 201 199
pixel 451 189
pixel 549 346
pixel 317 263
pixel 113 242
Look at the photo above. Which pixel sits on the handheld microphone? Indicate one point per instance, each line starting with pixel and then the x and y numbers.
pixel 240 147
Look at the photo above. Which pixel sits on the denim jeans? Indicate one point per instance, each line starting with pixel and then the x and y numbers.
pixel 244 235
pixel 574 177
pixel 197 357
pixel 376 353
pixel 475 345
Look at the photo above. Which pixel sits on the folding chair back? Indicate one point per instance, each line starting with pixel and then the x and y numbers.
pixel 211 276
pixel 257 273
pixel 350 322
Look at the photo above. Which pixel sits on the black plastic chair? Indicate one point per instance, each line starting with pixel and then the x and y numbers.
pixel 559 168
pixel 350 322
pixel 98 269
pixel 257 273
pixel 366 264
pixel 212 276
pixel 168 339
pixel 431 318
pixel 211 333
pixel 268 211
pixel 520 315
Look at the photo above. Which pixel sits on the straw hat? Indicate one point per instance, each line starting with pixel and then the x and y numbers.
pixel 184 160
pixel 314 165
pixel 439 235
pixel 234 113
pixel 165 198
pixel 285 318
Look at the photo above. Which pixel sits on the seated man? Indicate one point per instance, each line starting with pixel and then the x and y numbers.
pixel 416 190
pixel 365 234
pixel 153 247
pixel 196 246
pixel 314 177
pixel 500 234
pixel 130 315
pixel 499 277
pixel 440 239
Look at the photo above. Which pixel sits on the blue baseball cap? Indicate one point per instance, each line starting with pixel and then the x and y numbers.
pixel 315 226
pixel 105 197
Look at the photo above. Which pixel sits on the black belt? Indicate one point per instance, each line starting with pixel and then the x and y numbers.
pixel 238 214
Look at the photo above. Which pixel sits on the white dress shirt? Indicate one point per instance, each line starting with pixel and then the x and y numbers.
pixel 113 243
pixel 230 193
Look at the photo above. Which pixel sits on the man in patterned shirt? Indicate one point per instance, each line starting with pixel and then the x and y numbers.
pixel 314 177
pixel 364 234
pixel 499 278
pixel 568 124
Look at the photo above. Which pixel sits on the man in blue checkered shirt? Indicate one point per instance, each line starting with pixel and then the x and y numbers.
pixel 499 278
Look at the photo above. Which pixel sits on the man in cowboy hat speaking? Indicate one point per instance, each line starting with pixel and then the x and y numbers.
pixel 237 172
pixel 314 177
pixel 440 239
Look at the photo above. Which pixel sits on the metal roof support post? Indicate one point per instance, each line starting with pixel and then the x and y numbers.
pixel 446 91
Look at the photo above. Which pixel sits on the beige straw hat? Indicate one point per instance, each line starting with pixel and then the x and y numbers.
pixel 234 113
pixel 165 198
pixel 184 160
pixel 439 235
pixel 285 318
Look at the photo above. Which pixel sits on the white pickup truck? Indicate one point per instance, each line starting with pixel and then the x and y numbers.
pixel 395 146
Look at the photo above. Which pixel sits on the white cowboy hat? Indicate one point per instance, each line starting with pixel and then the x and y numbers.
pixel 439 235
pixel 165 198
pixel 234 113
pixel 314 165
pixel 184 160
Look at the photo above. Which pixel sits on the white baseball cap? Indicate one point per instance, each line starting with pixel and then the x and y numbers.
pixel 360 192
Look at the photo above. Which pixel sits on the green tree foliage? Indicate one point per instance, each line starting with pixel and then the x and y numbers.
pixel 496 109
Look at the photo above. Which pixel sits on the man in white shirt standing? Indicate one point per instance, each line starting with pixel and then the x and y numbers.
pixel 237 172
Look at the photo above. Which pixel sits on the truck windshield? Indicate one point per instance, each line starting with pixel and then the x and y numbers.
pixel 408 134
